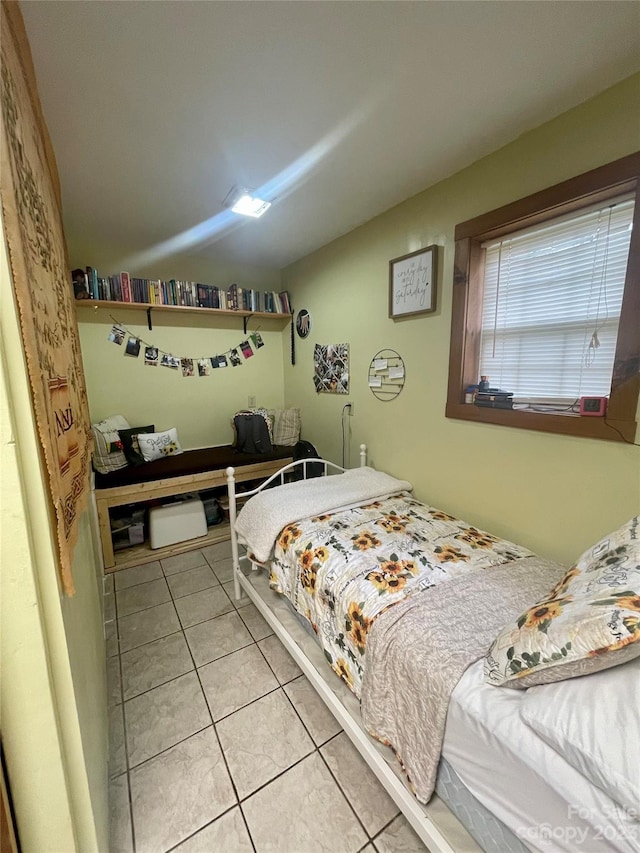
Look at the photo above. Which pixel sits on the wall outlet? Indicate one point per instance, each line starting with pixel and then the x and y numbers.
pixel 252 401
pixel 350 409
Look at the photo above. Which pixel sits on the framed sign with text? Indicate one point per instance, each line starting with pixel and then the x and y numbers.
pixel 412 283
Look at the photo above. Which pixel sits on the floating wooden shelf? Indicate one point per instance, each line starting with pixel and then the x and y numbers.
pixel 185 309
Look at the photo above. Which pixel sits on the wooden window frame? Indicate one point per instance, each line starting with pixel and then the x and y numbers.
pixel 621 176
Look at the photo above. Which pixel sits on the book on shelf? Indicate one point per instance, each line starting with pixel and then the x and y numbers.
pixel 284 301
pixel 91 278
pixel 125 284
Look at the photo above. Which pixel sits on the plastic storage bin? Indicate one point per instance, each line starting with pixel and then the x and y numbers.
pixel 176 522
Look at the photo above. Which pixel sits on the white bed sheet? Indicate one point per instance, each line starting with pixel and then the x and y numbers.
pixel 529 786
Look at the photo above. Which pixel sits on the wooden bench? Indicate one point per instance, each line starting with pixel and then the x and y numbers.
pixel 192 471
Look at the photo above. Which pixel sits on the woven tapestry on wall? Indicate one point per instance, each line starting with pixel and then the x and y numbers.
pixel 37 253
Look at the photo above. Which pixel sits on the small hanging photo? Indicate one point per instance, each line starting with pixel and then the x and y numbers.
pixel 256 338
pixel 133 347
pixel 187 366
pixel 245 346
pixel 204 366
pixel 151 356
pixel 234 358
pixel 171 361
pixel 116 335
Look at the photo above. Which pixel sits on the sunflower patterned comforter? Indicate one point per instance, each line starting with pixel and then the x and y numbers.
pixel 342 570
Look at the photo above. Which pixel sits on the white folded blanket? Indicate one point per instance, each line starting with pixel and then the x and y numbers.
pixel 264 515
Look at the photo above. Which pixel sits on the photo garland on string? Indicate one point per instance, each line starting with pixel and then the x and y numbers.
pixel 188 365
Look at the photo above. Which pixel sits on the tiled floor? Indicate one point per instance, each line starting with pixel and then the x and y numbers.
pixel 219 744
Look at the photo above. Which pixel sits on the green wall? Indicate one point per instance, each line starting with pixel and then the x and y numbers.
pixel 52 648
pixel 551 493
pixel 200 408
pixel 84 634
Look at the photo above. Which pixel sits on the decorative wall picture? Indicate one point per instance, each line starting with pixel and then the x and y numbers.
pixel 303 323
pixel 331 368
pixel 412 283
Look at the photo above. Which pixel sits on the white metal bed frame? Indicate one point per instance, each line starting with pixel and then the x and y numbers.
pixel 430 822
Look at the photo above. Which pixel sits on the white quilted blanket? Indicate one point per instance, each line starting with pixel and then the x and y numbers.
pixel 264 515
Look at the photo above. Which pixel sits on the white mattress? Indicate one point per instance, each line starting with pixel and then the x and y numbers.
pixel 521 779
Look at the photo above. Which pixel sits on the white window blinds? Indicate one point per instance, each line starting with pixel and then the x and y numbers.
pixel 551 305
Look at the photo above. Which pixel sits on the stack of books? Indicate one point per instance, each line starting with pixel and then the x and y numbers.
pixel 124 288
pixel 494 398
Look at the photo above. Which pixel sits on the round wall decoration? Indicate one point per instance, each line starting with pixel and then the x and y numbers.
pixel 386 375
pixel 303 323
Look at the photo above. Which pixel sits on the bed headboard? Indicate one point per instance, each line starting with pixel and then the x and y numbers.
pixel 279 476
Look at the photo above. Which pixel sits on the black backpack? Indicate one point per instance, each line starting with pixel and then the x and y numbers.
pixel 306 450
pixel 252 433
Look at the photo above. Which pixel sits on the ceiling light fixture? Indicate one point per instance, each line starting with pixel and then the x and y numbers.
pixel 241 201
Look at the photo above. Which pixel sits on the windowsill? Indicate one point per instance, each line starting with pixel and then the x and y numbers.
pixel 564 423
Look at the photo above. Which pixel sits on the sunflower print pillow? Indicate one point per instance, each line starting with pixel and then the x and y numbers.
pixel 589 621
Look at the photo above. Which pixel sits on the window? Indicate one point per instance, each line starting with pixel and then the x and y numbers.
pixel 551 304
pixel 546 304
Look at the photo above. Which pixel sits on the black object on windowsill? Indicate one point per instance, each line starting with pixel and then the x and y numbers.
pixel 494 398
pixel 497 403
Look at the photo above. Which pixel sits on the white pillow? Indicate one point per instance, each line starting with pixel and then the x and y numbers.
pixel 156 445
pixel 592 721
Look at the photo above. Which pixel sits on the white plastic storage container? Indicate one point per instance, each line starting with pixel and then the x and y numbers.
pixel 176 522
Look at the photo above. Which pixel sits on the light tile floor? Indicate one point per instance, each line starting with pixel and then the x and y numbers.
pixel 218 743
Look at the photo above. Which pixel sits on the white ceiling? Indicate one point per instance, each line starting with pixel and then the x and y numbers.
pixel 336 110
